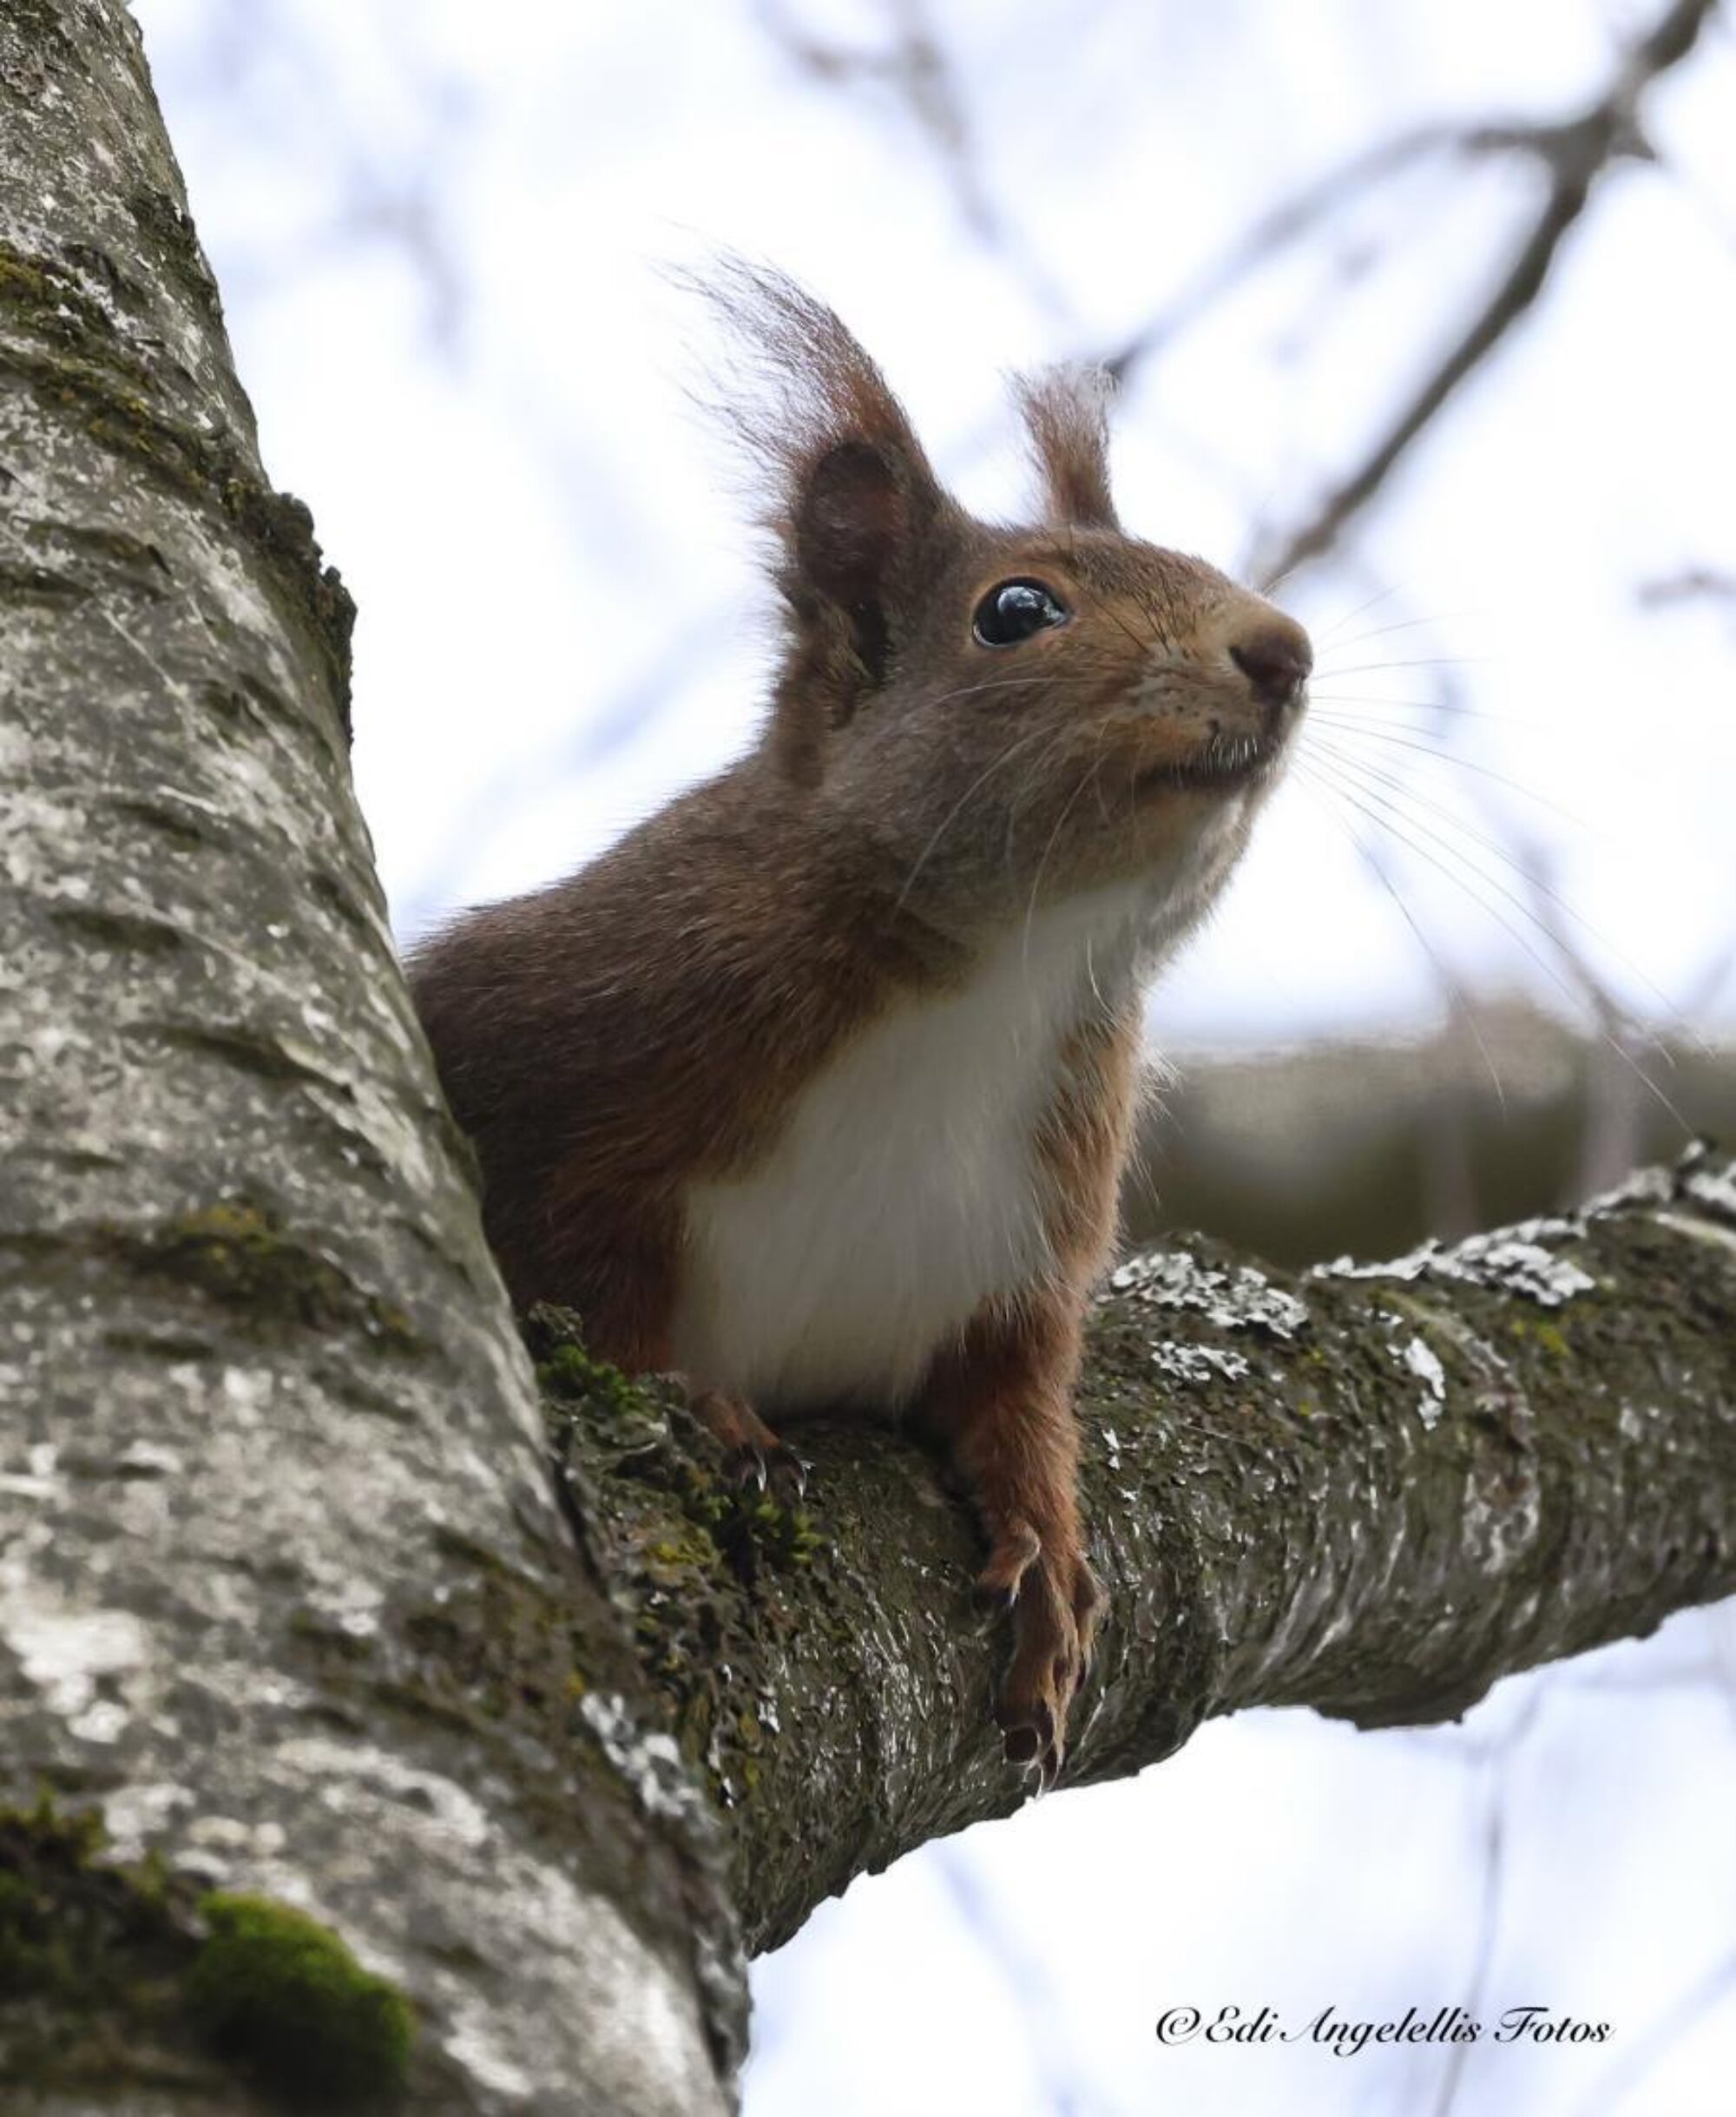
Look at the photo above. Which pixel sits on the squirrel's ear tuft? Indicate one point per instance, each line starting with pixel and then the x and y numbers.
pixel 853 500
pixel 1066 415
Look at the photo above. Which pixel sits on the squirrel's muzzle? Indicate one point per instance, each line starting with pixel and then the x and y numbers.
pixel 1276 656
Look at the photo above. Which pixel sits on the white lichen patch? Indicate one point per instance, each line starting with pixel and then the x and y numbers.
pixel 1525 1267
pixel 1421 1362
pixel 1238 1300
pixel 1199 1363
pixel 471 2045
pixel 348 1601
pixel 359 1776
pixel 1646 1187
pixel 40 1479
pixel 65 1651
pixel 136 1818
pixel 1513 1261
pixel 1503 1531
pixel 1713 1232
pixel 235 1838
pixel 247 1393
pixel 1713 1188
pixel 105 1722
pixel 651 1764
pixel 147 1459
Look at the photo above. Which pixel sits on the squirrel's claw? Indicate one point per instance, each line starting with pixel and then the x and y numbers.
pixel 752 1454
pixel 745 1465
pixel 1056 1605
pixel 777 1469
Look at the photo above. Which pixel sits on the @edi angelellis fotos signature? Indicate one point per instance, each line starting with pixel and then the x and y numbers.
pixel 1345 2035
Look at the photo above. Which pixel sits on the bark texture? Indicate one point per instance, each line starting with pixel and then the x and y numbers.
pixel 1371 1489
pixel 273 1492
pixel 294 1617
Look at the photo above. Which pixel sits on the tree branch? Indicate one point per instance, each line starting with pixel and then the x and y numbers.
pixel 1371 1490
pixel 1572 156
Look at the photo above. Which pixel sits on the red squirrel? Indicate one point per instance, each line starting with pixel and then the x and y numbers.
pixel 818 1086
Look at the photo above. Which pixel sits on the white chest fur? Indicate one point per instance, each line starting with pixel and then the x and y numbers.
pixel 904 1190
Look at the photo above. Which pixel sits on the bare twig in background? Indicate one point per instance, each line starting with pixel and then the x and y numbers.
pixel 1692 584
pixel 1497 1762
pixel 1291 219
pixel 1054 2067
pixel 1572 155
pixel 397 199
pixel 1711 1992
pixel 1616 1080
pixel 913 66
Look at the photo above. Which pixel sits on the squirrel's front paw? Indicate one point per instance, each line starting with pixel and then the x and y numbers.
pixel 1056 1605
pixel 752 1454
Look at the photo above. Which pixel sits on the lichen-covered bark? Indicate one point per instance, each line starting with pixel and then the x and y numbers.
pixel 285 1596
pixel 1373 1490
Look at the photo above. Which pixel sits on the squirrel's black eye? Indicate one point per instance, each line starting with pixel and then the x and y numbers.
pixel 1014 610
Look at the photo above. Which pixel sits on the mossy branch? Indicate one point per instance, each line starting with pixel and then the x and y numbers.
pixel 1373 1490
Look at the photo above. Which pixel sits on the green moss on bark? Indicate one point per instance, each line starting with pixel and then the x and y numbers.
pixel 240 1254
pixel 695 1563
pixel 284 2000
pixel 96 1947
pixel 115 1976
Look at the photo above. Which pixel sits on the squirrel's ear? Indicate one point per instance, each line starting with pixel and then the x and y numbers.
pixel 854 500
pixel 1066 415
pixel 852 517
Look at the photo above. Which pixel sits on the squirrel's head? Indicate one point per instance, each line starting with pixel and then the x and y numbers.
pixel 1020 714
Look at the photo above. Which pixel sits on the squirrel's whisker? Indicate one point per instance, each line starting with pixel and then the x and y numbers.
pixel 1414 661
pixel 1448 756
pixel 1361 609
pixel 1317 698
pixel 958 806
pixel 1324 793
pixel 1402 792
pixel 1382 812
pixel 1089 773
pixel 1380 631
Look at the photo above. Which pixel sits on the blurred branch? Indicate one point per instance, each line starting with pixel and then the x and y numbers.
pixel 1287 223
pixel 387 192
pixel 1709 1993
pixel 1572 156
pixel 914 66
pixel 1694 584
pixel 1491 1893
pixel 1301 1154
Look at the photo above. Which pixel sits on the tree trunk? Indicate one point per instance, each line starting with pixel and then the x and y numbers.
pixel 288 1595
pixel 284 1588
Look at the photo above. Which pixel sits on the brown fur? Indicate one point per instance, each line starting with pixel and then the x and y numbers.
pixel 650 1022
pixel 1066 412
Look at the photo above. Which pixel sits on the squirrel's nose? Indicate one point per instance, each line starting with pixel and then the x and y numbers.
pixel 1275 655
